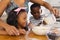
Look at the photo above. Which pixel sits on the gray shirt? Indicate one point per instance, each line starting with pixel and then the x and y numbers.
pixel 12 5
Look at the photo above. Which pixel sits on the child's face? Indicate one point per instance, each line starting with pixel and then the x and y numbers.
pixel 22 19
pixel 36 13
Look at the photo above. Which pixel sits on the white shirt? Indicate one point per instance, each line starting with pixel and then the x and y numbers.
pixel 34 21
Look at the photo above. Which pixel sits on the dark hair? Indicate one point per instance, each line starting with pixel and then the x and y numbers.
pixel 12 17
pixel 35 5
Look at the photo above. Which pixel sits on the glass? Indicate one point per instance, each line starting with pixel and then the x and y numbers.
pixel 52 35
pixel 27 34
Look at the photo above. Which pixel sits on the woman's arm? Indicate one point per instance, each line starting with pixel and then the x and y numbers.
pixel 2 32
pixel 11 30
pixel 43 3
pixel 47 5
pixel 3 5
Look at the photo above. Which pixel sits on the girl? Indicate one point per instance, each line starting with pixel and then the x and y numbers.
pixel 18 18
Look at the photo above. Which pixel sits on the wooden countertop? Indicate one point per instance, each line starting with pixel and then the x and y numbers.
pixel 22 37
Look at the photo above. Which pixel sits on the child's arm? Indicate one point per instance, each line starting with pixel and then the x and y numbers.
pixel 30 25
pixel 22 31
pixel 44 23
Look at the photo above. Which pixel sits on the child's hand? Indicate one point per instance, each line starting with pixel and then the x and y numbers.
pixel 22 31
pixel 11 30
pixel 44 23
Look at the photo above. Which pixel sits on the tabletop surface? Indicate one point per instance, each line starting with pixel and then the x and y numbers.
pixel 22 37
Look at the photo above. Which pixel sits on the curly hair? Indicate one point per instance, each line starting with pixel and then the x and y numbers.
pixel 35 5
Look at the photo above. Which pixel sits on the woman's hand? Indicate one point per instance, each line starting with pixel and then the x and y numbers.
pixel 55 11
pixel 11 30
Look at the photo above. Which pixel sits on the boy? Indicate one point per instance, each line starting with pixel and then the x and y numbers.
pixel 36 17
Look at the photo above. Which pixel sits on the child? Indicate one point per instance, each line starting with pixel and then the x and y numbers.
pixel 36 17
pixel 17 17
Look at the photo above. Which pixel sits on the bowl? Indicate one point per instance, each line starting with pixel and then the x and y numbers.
pixel 41 30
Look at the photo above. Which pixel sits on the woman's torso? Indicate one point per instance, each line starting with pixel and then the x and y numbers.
pixel 13 4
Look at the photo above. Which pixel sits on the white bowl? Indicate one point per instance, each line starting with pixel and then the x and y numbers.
pixel 41 30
